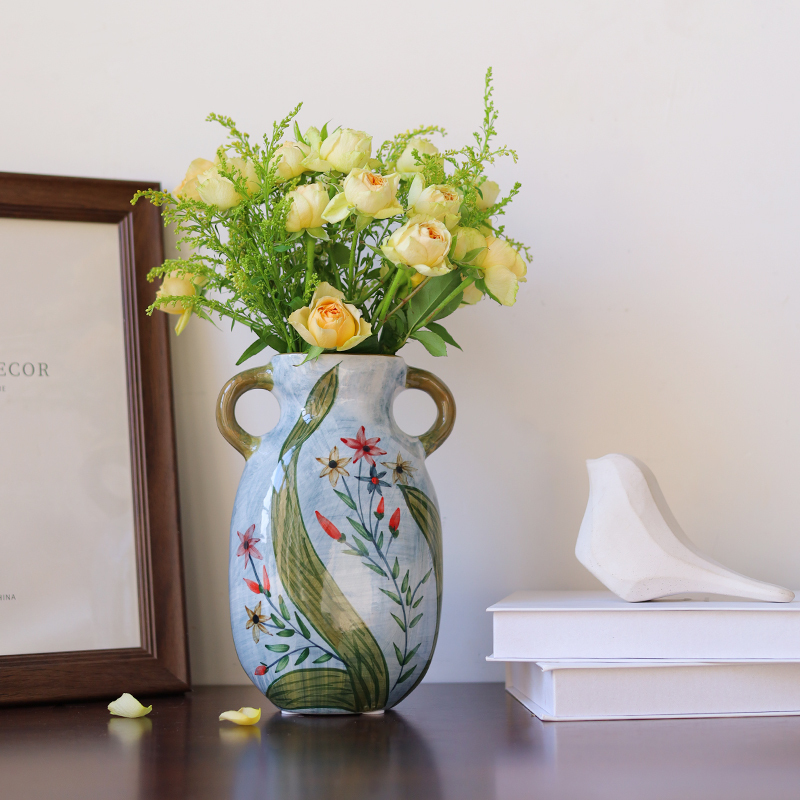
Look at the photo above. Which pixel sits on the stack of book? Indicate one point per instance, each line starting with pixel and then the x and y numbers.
pixel 590 655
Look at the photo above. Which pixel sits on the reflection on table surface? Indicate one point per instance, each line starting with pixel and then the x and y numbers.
pixel 456 741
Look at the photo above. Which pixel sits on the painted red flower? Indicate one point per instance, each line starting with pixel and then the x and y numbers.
pixel 364 447
pixel 381 506
pixel 266 578
pixel 253 586
pixel 247 546
pixel 394 522
pixel 261 670
pixel 328 527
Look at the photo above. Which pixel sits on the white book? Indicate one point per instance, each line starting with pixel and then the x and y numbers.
pixel 540 625
pixel 557 691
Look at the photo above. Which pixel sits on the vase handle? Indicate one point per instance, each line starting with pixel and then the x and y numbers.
pixel 238 437
pixel 445 407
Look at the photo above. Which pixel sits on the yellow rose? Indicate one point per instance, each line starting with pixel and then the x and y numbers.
pixel 503 270
pixel 422 243
pixel 216 190
pixel 406 164
pixel 289 158
pixel 173 286
pixel 188 186
pixel 370 194
pixel 472 294
pixel 438 201
pixel 467 240
pixel 489 190
pixel 308 203
pixel 346 149
pixel 329 322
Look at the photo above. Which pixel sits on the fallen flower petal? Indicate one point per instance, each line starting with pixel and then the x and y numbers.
pixel 127 705
pixel 244 716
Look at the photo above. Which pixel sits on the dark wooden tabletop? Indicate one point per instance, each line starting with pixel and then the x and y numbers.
pixel 458 741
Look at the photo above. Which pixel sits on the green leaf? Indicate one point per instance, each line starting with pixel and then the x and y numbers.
pixel 452 250
pixel 362 222
pixel 472 254
pixel 277 648
pixel 277 620
pixel 299 138
pixel 359 545
pixel 360 529
pixel 396 568
pixel 297 302
pixel 404 587
pixel 313 687
pixel 286 634
pixel 319 233
pixel 431 341
pixel 284 611
pixel 322 659
pixel 428 298
pixel 340 254
pixel 393 596
pixel 282 664
pixel 323 135
pixel 415 620
pixel 400 623
pixel 312 354
pixel 374 568
pixel 304 655
pixel 303 629
pixel 270 340
pixel 408 596
pixel 282 248
pixel 427 575
pixel 346 499
pixel 411 654
pixel 417 602
pixel 399 655
pixel 353 553
pixel 406 675
pixel 380 541
pixel 441 331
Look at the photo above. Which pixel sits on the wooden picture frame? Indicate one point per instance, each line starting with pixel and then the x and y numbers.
pixel 161 664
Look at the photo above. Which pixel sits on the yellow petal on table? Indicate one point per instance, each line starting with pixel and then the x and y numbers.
pixel 244 716
pixel 128 706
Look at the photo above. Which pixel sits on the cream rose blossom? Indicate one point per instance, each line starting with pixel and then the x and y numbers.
pixel 422 243
pixel 219 191
pixel 346 149
pixel 370 194
pixel 487 196
pixel 467 241
pixel 406 164
pixel 174 286
pixel 329 322
pixel 503 269
pixel 289 159
pixel 308 203
pixel 187 188
pixel 437 201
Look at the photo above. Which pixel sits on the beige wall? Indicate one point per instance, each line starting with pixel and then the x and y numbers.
pixel 659 156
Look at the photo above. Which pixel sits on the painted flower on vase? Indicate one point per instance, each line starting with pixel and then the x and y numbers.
pixel 374 481
pixel 366 448
pixel 394 523
pixel 255 622
pixel 401 470
pixel 247 546
pixel 333 467
pixel 380 510
pixel 329 527
pixel 261 669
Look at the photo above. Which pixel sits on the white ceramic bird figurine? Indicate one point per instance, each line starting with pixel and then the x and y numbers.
pixel 630 540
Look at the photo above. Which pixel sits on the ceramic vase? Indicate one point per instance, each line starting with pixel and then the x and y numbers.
pixel 336 545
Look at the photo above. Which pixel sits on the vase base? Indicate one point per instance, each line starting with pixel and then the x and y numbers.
pixel 289 713
pixel 373 713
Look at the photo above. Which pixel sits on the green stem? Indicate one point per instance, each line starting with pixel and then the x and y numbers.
pixel 351 266
pixel 310 244
pixel 407 298
pixel 387 300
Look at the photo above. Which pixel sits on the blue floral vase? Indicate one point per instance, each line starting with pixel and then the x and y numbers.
pixel 336 543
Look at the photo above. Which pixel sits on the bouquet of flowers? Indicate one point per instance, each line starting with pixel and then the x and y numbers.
pixel 318 244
